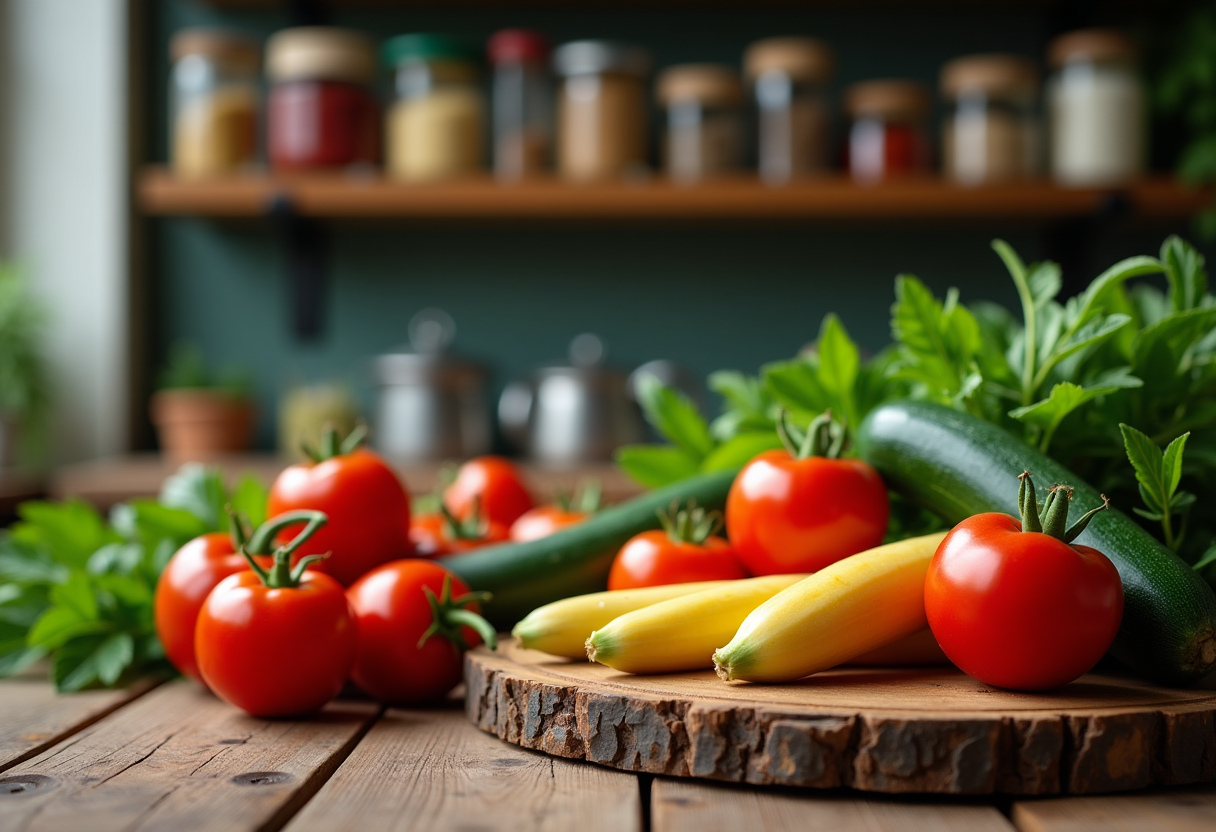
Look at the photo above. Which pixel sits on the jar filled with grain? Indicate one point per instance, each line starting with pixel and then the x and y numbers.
pixel 789 79
pixel 436 125
pixel 1096 107
pixel 887 137
pixel 601 109
pixel 704 130
pixel 214 102
pixel 990 131
pixel 522 103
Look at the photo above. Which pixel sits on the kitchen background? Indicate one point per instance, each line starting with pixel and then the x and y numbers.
pixel 708 294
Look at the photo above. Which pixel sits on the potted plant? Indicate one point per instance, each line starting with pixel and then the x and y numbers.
pixel 24 387
pixel 200 416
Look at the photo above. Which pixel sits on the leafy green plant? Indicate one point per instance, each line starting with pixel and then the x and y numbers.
pixel 186 369
pixel 79 590
pixel 24 387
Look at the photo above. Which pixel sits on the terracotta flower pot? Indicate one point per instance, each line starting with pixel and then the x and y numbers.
pixel 196 425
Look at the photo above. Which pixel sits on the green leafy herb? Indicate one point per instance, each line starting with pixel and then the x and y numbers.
pixel 1159 473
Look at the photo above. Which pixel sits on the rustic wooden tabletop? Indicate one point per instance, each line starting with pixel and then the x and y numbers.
pixel 171 756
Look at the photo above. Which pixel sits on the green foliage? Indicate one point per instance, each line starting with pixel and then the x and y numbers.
pixel 187 370
pixel 79 590
pixel 1158 474
pixel 24 386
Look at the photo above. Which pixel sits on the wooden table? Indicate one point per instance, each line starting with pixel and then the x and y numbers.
pixel 172 757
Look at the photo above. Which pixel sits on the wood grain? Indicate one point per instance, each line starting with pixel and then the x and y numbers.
pixel 876 729
pixel 178 758
pixel 36 717
pixel 1192 810
pixel 431 770
pixel 689 806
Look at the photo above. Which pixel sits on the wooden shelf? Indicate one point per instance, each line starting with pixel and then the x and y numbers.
pixel 160 193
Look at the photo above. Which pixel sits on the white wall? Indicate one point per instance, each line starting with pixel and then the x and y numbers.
pixel 62 202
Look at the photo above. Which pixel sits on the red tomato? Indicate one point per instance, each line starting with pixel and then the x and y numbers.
pixel 785 514
pixel 397 662
pixel 654 558
pixel 276 651
pixel 434 535
pixel 543 521
pixel 368 509
pixel 1021 610
pixel 492 484
pixel 187 579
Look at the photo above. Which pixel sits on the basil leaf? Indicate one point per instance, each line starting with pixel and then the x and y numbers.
pixel 838 363
pixel 89 660
pixel 739 451
pixel 249 498
pixel 656 465
pixel 72 531
pixel 675 417
pixel 795 385
pixel 937 341
pixel 1066 397
pixel 200 491
pixel 1184 270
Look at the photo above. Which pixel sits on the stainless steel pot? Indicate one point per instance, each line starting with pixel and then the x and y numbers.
pixel 431 405
pixel 571 414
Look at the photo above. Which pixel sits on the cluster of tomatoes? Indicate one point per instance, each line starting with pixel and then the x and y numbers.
pixel 331 588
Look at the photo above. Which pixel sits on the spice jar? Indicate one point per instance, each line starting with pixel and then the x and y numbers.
pixel 704 133
pixel 887 138
pixel 1096 109
pixel 323 112
pixel 214 102
pixel 990 131
pixel 789 78
pixel 436 125
pixel 522 103
pixel 601 109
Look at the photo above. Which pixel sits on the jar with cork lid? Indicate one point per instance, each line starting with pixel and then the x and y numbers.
pixel 789 77
pixel 214 102
pixel 601 109
pixel 990 130
pixel 887 137
pixel 703 136
pixel 522 103
pixel 1096 105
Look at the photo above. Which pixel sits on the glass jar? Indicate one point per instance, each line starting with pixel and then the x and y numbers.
pixel 789 78
pixel 523 96
pixel 323 112
pixel 214 102
pixel 990 131
pixel 436 126
pixel 1096 109
pixel 704 135
pixel 601 109
pixel 887 138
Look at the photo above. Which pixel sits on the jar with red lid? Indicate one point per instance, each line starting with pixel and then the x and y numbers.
pixel 323 111
pixel 887 138
pixel 522 103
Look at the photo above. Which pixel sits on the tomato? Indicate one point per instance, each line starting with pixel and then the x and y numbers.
pixel 410 649
pixel 277 642
pixel 435 535
pixel 793 511
pixel 1025 610
pixel 684 551
pixel 543 521
pixel 492 485
pixel 191 574
pixel 367 506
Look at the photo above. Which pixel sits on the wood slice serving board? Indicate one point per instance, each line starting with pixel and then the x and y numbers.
pixel 881 730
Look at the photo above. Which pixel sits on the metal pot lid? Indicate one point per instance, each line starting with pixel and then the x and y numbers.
pixel 586 353
pixel 427 361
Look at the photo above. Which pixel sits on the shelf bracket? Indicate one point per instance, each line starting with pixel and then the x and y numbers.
pixel 306 250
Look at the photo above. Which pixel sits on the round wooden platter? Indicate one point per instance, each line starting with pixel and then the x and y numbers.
pixel 883 730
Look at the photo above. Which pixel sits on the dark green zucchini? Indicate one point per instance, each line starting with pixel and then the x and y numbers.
pixel 576 560
pixel 956 465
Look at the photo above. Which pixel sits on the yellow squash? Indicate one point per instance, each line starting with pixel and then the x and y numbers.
pixel 854 606
pixel 681 634
pixel 561 628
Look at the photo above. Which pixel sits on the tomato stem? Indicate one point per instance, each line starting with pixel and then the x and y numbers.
pixel 1028 504
pixel 823 437
pixel 1053 519
pixel 281 575
pixel 331 447
pixel 473 527
pixel 449 614
pixel 690 524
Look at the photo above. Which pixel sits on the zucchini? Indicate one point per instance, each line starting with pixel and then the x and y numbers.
pixel 956 466
pixel 575 560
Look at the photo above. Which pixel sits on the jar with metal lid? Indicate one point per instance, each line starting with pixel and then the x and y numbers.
pixel 214 102
pixel 1096 107
pixel 323 112
pixel 704 131
pixel 436 126
pixel 990 131
pixel 522 103
pixel 887 138
pixel 789 78
pixel 601 109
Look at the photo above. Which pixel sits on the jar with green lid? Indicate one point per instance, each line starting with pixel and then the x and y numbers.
pixel 436 123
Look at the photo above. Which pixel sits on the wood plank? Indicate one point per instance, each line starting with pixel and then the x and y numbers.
pixel 178 758
pixel 432 770
pixel 687 806
pixel 1184 810
pixel 36 717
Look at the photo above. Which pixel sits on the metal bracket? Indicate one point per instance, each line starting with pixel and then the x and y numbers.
pixel 306 246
